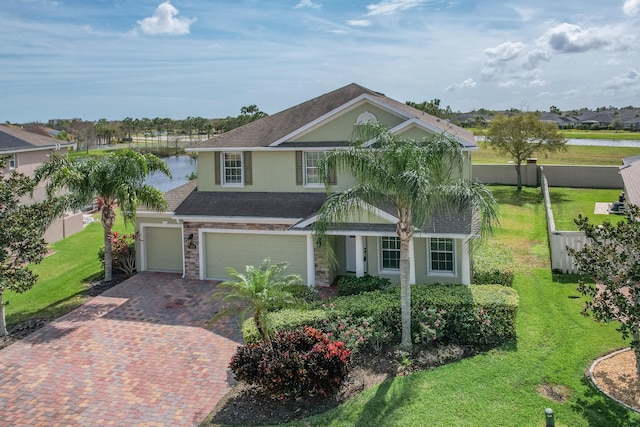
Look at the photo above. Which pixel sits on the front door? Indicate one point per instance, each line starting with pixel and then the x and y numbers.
pixel 351 253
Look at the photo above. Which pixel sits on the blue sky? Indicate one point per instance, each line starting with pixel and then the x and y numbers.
pixel 148 58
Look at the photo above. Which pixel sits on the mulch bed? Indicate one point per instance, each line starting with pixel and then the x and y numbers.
pixel 243 405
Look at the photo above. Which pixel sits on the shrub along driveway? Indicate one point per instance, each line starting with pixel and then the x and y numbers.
pixel 139 354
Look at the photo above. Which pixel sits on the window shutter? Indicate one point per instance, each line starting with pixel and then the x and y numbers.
pixel 333 179
pixel 248 171
pixel 299 178
pixel 216 169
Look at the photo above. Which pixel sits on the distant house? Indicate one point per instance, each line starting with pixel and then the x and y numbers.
pixel 258 195
pixel 630 172
pixel 26 151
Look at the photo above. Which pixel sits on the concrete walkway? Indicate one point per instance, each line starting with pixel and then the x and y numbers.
pixel 140 354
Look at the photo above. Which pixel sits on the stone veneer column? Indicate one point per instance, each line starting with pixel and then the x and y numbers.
pixel 323 270
pixel 192 255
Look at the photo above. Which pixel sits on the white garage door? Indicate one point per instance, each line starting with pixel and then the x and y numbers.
pixel 224 250
pixel 163 248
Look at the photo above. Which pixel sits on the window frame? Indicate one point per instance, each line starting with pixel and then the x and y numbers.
pixel 452 252
pixel 381 254
pixel 12 162
pixel 224 168
pixel 305 169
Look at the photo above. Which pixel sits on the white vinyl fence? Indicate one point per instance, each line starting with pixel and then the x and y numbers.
pixel 561 261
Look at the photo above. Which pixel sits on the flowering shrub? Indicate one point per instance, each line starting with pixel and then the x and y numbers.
pixel 354 333
pixel 293 363
pixel 123 250
pixel 430 325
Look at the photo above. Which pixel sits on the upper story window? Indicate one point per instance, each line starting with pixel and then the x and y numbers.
pixel 442 255
pixel 232 169
pixel 311 171
pixel 390 253
pixel 11 162
pixel 308 172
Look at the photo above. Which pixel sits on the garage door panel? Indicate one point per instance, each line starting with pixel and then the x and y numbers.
pixel 163 247
pixel 224 250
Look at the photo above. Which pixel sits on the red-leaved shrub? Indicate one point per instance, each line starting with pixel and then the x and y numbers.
pixel 293 363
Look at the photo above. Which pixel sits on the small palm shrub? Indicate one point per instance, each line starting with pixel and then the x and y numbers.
pixel 293 363
pixel 350 285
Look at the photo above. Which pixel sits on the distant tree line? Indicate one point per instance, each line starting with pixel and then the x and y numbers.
pixel 146 130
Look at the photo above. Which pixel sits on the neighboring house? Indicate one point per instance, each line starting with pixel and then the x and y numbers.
pixel 630 173
pixel 26 151
pixel 258 193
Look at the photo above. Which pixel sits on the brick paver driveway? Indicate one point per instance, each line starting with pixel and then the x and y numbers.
pixel 137 355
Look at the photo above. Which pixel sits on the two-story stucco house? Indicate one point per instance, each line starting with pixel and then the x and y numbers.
pixel 26 151
pixel 258 192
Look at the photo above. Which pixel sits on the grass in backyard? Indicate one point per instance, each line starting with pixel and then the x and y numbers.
pixel 501 387
pixel 600 134
pixel 62 276
pixel 575 155
pixel 567 203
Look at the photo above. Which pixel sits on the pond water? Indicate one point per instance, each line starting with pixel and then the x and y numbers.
pixel 605 142
pixel 596 142
pixel 181 167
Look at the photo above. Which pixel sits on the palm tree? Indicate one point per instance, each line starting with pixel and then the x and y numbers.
pixel 420 179
pixel 117 180
pixel 257 290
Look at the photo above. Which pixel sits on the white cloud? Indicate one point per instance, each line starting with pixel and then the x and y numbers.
pixel 504 52
pixel 467 83
pixel 534 58
pixel 165 21
pixel 631 7
pixel 631 78
pixel 570 38
pixel 388 7
pixel 359 23
pixel 309 4
pixel 526 13
pixel 537 83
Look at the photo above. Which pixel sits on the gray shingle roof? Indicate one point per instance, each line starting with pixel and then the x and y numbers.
pixel 631 178
pixel 267 130
pixel 14 138
pixel 250 204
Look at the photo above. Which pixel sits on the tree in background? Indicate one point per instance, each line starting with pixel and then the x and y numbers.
pixel 420 179
pixel 523 135
pixel 433 107
pixel 248 114
pixel 21 229
pixel 611 257
pixel 117 180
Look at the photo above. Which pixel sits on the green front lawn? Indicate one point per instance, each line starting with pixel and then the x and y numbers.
pixel 62 276
pixel 555 344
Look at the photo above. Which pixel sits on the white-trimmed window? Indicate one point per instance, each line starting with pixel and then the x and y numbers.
pixel 232 169
pixel 390 253
pixel 442 255
pixel 311 171
pixel 11 162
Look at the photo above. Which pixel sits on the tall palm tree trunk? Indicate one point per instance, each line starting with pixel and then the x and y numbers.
pixel 403 229
pixel 108 217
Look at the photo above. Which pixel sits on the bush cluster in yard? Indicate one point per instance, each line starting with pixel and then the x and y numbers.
pixel 351 285
pixel 476 315
pixel 493 265
pixel 294 363
pixel 298 291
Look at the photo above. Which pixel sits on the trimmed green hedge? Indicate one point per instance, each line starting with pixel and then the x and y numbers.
pixel 477 315
pixel 493 265
pixel 351 285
